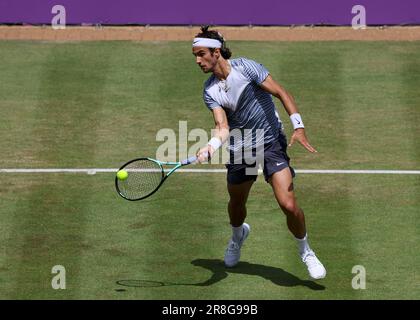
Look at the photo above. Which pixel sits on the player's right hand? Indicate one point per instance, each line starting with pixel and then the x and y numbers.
pixel 204 154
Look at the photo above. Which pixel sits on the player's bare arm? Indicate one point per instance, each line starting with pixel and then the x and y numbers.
pixel 221 132
pixel 271 86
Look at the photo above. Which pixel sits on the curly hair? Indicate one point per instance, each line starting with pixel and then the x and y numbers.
pixel 214 34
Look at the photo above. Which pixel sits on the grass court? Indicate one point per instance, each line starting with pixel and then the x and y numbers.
pixel 99 104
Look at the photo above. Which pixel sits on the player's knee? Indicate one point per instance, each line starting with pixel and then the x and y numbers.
pixel 237 204
pixel 289 207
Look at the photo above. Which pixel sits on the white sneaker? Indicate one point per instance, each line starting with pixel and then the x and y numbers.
pixel 233 251
pixel 315 267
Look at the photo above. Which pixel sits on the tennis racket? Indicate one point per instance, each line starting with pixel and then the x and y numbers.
pixel 145 176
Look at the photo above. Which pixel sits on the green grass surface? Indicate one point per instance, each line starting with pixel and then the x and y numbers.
pixel 97 104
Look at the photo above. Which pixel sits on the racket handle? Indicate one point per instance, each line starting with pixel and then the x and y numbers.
pixel 190 160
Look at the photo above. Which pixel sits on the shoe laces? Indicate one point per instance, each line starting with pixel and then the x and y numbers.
pixel 233 246
pixel 310 259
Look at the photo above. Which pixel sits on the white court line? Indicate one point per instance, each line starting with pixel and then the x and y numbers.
pixel 105 170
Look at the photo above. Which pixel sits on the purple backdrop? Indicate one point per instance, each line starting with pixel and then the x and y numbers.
pixel 218 12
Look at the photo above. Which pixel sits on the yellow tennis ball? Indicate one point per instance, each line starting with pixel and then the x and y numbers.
pixel 122 174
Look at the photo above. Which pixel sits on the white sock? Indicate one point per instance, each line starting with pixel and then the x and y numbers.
pixel 237 233
pixel 303 244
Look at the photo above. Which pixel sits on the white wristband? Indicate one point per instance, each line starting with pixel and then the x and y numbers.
pixel 296 121
pixel 215 143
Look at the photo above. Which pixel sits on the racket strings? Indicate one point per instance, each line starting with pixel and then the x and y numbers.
pixel 144 176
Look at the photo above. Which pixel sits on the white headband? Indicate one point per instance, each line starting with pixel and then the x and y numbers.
pixel 206 42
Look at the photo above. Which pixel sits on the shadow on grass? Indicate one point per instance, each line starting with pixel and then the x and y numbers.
pixel 219 272
pixel 276 275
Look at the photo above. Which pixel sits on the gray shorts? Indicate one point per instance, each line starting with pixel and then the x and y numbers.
pixel 275 159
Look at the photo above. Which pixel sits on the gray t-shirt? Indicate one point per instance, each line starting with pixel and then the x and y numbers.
pixel 250 110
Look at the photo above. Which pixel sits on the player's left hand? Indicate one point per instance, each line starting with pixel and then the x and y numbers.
pixel 299 135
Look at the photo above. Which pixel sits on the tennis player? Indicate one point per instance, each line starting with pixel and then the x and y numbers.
pixel 238 93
